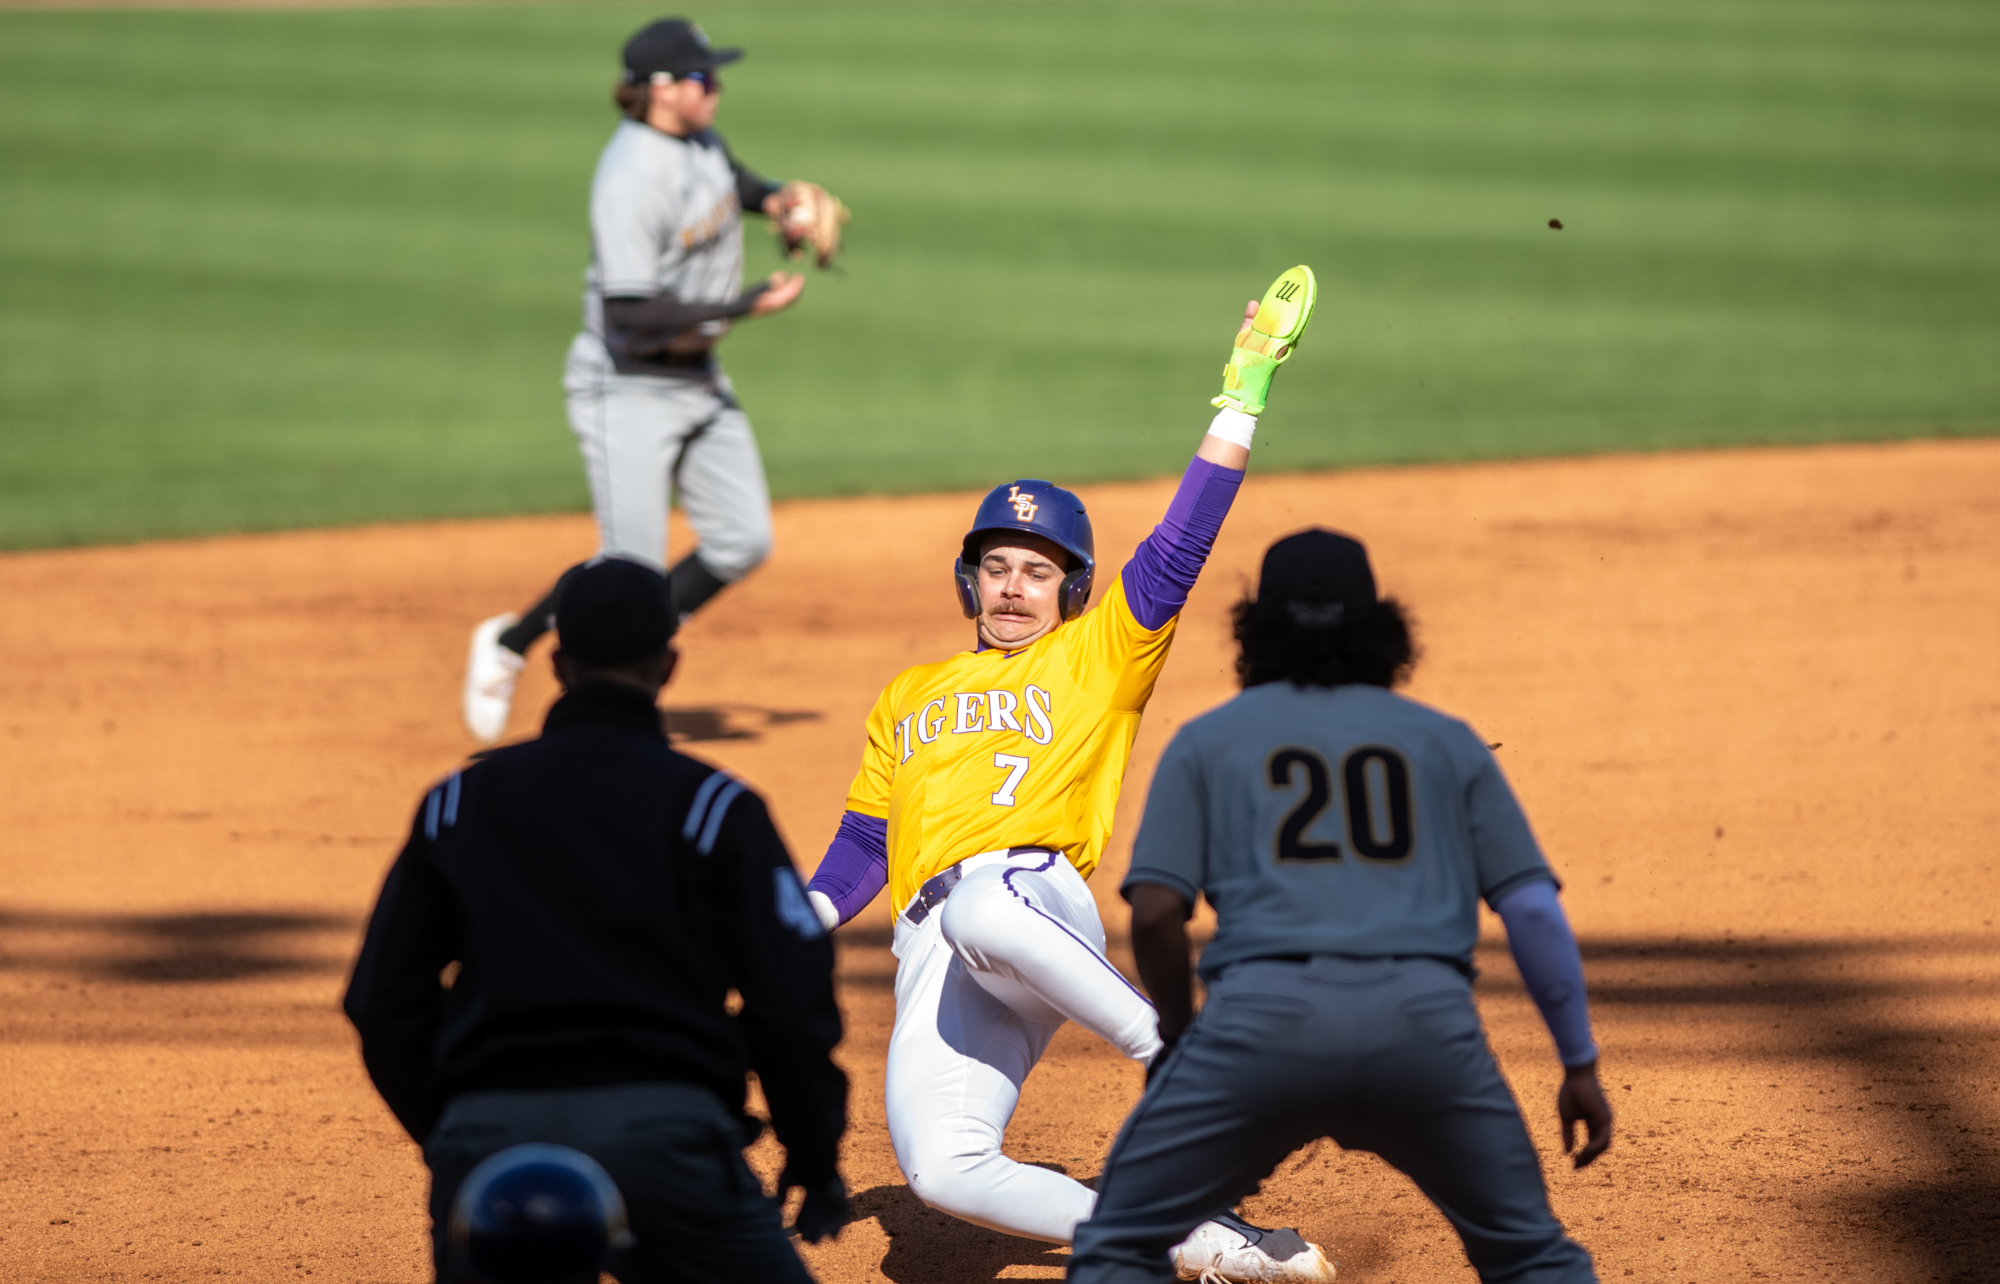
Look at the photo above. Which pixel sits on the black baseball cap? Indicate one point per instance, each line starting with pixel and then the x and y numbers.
pixel 674 46
pixel 1324 572
pixel 614 610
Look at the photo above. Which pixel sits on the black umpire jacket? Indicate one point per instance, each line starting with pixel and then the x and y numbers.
pixel 601 895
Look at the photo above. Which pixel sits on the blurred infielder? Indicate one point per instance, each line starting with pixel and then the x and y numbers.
pixel 650 405
pixel 1345 836
pixel 985 798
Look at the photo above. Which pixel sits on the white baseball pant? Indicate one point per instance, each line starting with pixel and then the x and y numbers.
pixel 981 986
pixel 644 436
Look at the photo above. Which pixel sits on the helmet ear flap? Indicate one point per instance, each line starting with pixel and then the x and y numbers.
pixel 1076 590
pixel 968 592
pixel 1074 594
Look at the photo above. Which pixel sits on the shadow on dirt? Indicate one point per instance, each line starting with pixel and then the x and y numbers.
pixel 729 722
pixel 862 958
pixel 174 948
pixel 930 1247
pixel 1875 1013
pixel 1902 1032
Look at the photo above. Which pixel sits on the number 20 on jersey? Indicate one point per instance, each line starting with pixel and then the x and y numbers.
pixel 1375 792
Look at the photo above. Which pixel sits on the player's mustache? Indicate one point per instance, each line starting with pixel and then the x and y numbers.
pixel 1005 605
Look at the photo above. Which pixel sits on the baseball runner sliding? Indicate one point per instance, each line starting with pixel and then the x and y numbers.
pixel 985 798
pixel 648 400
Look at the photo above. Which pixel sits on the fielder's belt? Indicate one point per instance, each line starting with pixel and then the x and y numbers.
pixel 939 885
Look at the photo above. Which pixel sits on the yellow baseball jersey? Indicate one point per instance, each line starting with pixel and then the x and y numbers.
pixel 1024 748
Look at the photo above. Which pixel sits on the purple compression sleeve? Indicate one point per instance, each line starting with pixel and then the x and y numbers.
pixel 1544 948
pixel 856 865
pixel 1166 563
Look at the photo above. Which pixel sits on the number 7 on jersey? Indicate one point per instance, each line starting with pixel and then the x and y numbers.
pixel 1017 767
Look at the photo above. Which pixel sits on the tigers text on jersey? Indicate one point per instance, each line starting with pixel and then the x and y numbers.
pixel 1343 820
pixel 994 749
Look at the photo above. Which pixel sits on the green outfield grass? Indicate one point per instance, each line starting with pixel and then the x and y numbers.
pixel 263 269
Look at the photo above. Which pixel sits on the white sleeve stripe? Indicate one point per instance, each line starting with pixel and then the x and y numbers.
pixel 451 788
pixel 714 782
pixel 715 815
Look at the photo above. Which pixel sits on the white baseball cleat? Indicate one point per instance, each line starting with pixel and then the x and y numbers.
pixel 1231 1249
pixel 490 673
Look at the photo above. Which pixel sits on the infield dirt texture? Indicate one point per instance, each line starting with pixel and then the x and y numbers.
pixel 267 270
pixel 1746 697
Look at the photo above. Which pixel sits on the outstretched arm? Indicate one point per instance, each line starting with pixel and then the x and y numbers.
pixel 1227 444
pixel 1166 564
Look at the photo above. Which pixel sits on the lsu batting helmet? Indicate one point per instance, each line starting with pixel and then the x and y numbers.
pixel 1035 508
pixel 538 1214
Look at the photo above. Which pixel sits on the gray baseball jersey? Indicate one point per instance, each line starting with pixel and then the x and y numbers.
pixel 1344 820
pixel 665 214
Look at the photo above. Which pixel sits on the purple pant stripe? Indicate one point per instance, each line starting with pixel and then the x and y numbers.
pixel 1007 880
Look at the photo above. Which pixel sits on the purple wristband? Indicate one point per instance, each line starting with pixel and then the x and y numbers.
pixel 1167 562
pixel 855 868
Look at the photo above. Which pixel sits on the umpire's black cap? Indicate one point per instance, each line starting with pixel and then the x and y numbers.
pixel 1323 574
pixel 674 46
pixel 615 610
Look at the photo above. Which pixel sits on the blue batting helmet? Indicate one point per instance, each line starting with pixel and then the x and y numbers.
pixel 539 1214
pixel 1035 508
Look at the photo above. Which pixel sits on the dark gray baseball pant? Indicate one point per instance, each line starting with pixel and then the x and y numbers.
pixel 1383 1055
pixel 697 1211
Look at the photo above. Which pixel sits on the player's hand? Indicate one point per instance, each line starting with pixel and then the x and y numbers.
pixel 1249 315
pixel 781 290
pixel 824 1211
pixel 1219 450
pixel 1581 1100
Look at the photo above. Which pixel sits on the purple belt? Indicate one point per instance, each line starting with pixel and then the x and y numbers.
pixel 939 885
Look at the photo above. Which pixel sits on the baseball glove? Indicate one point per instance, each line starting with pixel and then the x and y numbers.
pixel 809 217
pixel 1267 339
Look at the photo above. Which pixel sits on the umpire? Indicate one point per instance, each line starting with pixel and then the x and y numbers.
pixel 597 896
pixel 1345 836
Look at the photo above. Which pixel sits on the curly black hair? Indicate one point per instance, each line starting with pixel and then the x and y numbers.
pixel 1287 642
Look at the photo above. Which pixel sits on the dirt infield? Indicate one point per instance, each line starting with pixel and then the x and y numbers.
pixel 1748 699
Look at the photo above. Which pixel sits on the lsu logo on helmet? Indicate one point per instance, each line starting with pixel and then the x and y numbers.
pixel 1046 510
